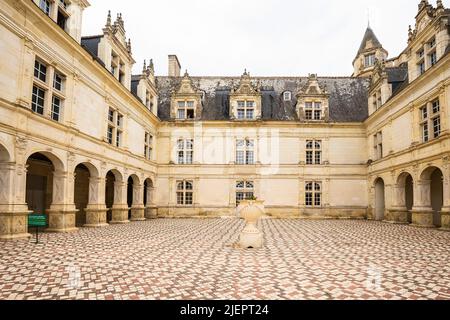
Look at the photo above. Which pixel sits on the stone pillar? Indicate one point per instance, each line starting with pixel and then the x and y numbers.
pixel 138 208
pixel 151 211
pixel 370 209
pixel 120 207
pixel 422 213
pixel 13 209
pixel 61 216
pixel 445 213
pixel 398 213
pixel 96 210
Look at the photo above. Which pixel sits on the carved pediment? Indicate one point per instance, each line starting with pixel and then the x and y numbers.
pixel 246 86
pixel 378 72
pixel 313 88
pixel 187 87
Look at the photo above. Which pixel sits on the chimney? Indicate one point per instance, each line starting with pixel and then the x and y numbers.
pixel 174 66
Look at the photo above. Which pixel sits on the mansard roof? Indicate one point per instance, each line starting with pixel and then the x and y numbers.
pixel 369 35
pixel 347 101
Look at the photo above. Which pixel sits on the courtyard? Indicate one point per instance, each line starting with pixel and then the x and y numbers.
pixel 196 259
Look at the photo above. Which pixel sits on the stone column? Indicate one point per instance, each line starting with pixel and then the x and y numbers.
pixel 120 207
pixel 370 209
pixel 13 209
pixel 151 211
pixel 96 210
pixel 398 213
pixel 138 208
pixel 445 213
pixel 61 216
pixel 422 213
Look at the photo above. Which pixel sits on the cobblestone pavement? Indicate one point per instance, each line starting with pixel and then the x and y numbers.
pixel 195 259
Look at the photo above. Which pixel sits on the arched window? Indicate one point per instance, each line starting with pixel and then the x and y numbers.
pixel 313 194
pixel 185 151
pixel 245 153
pixel 245 190
pixel 313 152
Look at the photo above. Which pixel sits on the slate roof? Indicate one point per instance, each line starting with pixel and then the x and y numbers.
pixel 347 103
pixel 369 35
pixel 90 44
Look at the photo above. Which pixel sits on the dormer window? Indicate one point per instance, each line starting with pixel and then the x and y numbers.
pixel 287 96
pixel 62 17
pixel 246 110
pixel 186 110
pixel 420 53
pixel 313 110
pixel 432 43
pixel 369 60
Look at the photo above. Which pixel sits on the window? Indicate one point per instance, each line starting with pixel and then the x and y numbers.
pixel 369 60
pixel 110 134
pixel 421 53
pixel 378 145
pixel 42 90
pixel 40 71
pixel 186 110
pixel 246 110
pixel 313 194
pixel 185 193
pixel 114 132
pixel 421 67
pixel 313 110
pixel 56 108
pixel 432 43
pixel 38 98
pixel 45 6
pixel 61 19
pixel 287 96
pixel 433 58
pixel 58 82
pixel 245 152
pixel 244 191
pixel 313 152
pixel 148 147
pixel 185 151
pixel 430 119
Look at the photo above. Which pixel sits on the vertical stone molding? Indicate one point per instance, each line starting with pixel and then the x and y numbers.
pixel 61 216
pixel 422 213
pixel 138 208
pixel 96 211
pixel 120 207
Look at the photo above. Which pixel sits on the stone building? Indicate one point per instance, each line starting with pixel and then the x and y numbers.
pixel 88 143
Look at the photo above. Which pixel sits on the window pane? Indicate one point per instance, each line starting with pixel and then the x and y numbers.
pixel 250 114
pixel 308 105
pixel 437 127
pixel 425 132
pixel 58 82
pixel 189 185
pixel 181 114
pixel 436 106
pixel 240 157
pixel 180 198
pixel 56 108
pixel 38 98
pixel 249 157
pixel 240 185
pixel 189 200
pixel 241 114
pixel 190 104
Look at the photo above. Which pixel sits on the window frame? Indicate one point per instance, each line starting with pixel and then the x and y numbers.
pixel 185 195
pixel 245 152
pixel 246 192
pixel 313 194
pixel 314 152
pixel 185 151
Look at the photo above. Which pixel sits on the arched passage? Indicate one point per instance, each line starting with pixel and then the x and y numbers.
pixel 84 188
pixel 135 199
pixel 432 190
pixel 380 205
pixel 405 194
pixel 150 208
pixel 5 176
pixel 39 193
pixel 113 177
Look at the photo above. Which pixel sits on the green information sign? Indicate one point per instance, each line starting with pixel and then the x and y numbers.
pixel 37 220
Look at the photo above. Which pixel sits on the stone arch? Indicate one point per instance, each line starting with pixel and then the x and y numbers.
pixel 5 176
pixel 148 191
pixel 405 194
pixel 380 199
pixel 113 194
pixel 85 189
pixel 432 179
pixel 56 160
pixel 5 155
pixel 41 181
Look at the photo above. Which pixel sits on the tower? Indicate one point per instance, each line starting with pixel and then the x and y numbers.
pixel 369 51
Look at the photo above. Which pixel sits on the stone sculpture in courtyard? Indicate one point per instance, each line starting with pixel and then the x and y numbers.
pixel 251 237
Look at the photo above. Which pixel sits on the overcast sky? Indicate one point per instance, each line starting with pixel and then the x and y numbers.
pixel 268 37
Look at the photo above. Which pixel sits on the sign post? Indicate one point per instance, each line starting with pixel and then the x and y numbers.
pixel 37 221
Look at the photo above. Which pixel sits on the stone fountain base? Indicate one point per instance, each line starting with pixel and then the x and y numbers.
pixel 251 237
